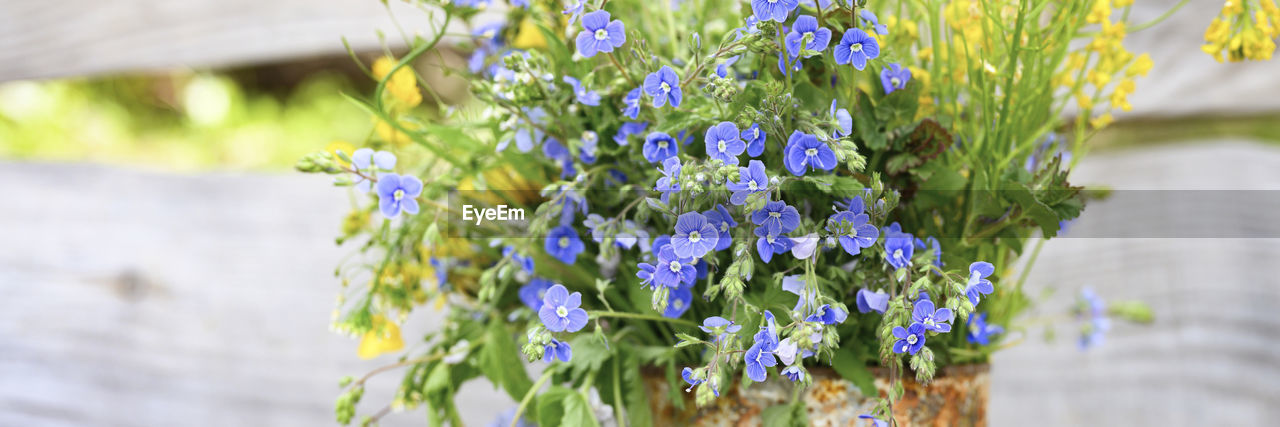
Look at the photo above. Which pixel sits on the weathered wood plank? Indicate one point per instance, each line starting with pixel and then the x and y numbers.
pixel 44 39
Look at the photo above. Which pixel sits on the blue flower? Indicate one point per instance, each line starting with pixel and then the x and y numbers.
pixel 796 64
pixel 645 274
pixel 875 422
pixel 554 150
pixel 755 139
pixel 751 179
pixel 776 217
pixel 557 350
pixel 564 244
pixel 722 69
pixel 722 221
pixel 719 326
pixel 853 230
pixel 586 97
pixel 898 250
pixel 561 311
pixel 844 121
pixel 664 86
pixel 768 334
pixel 678 302
pixel 870 17
pixel 689 378
pixel 793 373
pixel 980 332
pixel 574 10
pixel 627 129
pixel 525 262
pixel 827 315
pixel 599 34
pixel 756 359
pixel 632 102
pixel 804 152
pixel 868 301
pixel 590 145
pixel 910 340
pixel 894 77
pixel 978 284
pixel 533 293
pixel 770 244
pixel 659 146
pixel 694 236
pixel 856 47
pixel 670 181
pixel 673 271
pixel 932 243
pixel 724 144
pixel 1094 310
pixel 773 10
pixel 396 193
pixel 807 35
pixel 364 158
pixel 933 320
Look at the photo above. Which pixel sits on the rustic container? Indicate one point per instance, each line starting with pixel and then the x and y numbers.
pixel 956 397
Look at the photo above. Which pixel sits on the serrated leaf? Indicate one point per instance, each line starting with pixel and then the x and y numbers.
pixel 577 412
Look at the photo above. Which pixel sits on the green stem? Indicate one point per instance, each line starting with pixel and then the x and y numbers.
pixel 528 396
pixel 640 316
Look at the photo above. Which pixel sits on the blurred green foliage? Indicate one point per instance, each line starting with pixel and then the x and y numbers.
pixel 181 121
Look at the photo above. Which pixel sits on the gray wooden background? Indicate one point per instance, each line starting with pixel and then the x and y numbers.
pixel 137 298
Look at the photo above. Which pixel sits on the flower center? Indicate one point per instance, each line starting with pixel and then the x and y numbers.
pixel 674 266
pixel 855 48
pixel 677 304
pixel 564 242
pixel 561 311
pixel 911 339
pixel 695 237
pixel 811 152
pixel 973 329
pixel 722 146
pixel 753 186
pixel 775 214
pixel 853 232
pixel 928 321
pixel 662 145
pixel 975 276
pixel 399 194
pixel 666 87
pixel 601 34
pixel 755 133
pixel 897 254
pixel 896 82
pixel 724 226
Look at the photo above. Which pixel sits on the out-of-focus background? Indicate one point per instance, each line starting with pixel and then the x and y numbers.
pixel 162 265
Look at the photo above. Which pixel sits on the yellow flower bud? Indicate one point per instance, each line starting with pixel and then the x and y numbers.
pixel 1100 12
pixel 1101 121
pixel 1140 66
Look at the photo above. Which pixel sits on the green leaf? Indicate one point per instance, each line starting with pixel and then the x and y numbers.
pixel 1046 218
pixel 852 367
pixel 438 379
pixel 577 412
pixel 551 405
pixel 635 397
pixel 777 415
pixel 500 361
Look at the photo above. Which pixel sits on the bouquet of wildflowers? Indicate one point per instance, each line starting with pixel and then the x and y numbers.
pixel 728 191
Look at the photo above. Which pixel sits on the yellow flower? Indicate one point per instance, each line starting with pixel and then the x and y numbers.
pixel 403 85
pixel 1140 66
pixel 1063 79
pixel 392 135
pixel 528 36
pixel 343 146
pixel 925 54
pixel 1218 32
pixel 1120 97
pixel 382 338
pixel 1084 101
pixel 1232 7
pixel 1122 3
pixel 1099 79
pixel 1100 12
pixel 1101 121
